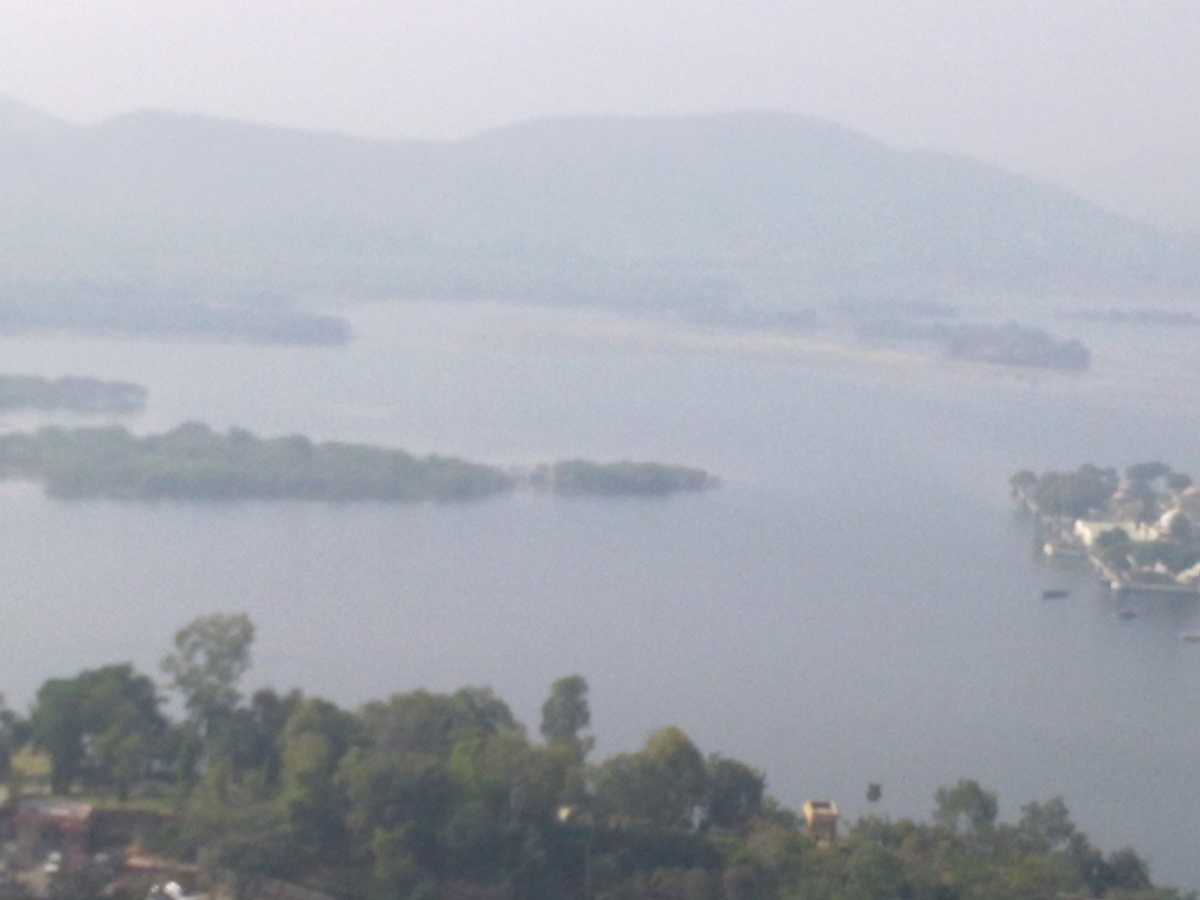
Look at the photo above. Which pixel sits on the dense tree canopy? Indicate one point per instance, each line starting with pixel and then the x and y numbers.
pixel 733 792
pixel 967 801
pixel 1074 495
pixel 444 795
pixel 100 726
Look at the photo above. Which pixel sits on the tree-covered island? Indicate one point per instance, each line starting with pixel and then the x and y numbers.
pixel 578 476
pixel 194 462
pixel 71 393
pixel 1008 344
pixel 1138 530
pixel 448 796
pixel 97 310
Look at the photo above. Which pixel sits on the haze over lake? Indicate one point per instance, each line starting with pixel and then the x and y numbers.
pixel 857 603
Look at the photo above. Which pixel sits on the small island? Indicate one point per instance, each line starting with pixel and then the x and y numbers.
pixel 194 462
pixel 133 314
pixel 1137 531
pixel 578 476
pixel 1009 344
pixel 1016 345
pixel 71 393
pixel 1138 316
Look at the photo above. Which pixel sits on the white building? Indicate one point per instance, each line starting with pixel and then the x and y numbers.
pixel 1088 531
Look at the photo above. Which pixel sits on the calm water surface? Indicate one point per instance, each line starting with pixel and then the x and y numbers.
pixel 858 603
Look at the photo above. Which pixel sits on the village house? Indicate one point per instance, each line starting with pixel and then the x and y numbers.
pixel 821 820
pixel 45 826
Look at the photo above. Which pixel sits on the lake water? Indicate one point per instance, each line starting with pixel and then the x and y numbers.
pixel 857 603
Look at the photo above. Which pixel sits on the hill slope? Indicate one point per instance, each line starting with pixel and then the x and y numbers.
pixel 745 208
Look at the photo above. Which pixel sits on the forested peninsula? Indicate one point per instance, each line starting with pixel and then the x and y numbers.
pixel 194 462
pixel 447 796
pixel 71 393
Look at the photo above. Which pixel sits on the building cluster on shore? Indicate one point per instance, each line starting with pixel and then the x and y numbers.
pixel 1137 531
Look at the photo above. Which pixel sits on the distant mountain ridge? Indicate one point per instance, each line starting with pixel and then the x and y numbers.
pixel 744 208
pixel 16 117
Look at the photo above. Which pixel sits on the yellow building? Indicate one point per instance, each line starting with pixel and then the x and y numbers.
pixel 821 820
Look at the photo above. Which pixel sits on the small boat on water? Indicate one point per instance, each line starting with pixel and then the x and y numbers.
pixel 1126 614
pixel 1054 593
pixel 1192 637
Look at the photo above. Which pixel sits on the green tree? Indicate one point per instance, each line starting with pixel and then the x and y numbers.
pixel 1076 494
pixel 776 850
pixel 662 785
pixel 236 826
pixel 1114 547
pixel 1023 482
pixel 256 734
pixel 1046 826
pixel 315 739
pixel 1034 877
pixel 966 800
pixel 409 794
pixel 566 713
pixel 310 797
pixel 1178 482
pixel 1127 871
pixel 873 872
pixel 394 870
pixel 100 725
pixel 1147 471
pixel 1181 528
pixel 14 732
pixel 680 775
pixel 211 655
pixel 512 778
pixel 733 792
pixel 424 722
pixel 58 728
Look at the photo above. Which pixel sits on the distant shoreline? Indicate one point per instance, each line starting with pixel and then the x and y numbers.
pixel 86 313
pixel 71 393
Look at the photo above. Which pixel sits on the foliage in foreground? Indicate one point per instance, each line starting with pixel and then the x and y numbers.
pixel 445 795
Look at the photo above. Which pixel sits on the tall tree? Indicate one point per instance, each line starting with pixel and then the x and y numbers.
pixel 566 713
pixel 211 655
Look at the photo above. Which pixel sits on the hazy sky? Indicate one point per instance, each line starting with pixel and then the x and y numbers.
pixel 1051 86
